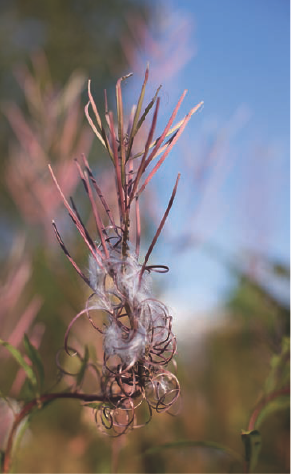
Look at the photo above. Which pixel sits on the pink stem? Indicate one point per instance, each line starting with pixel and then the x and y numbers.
pixel 161 139
pixel 160 226
pixel 69 256
pixel 163 157
pixel 98 191
pixel 77 221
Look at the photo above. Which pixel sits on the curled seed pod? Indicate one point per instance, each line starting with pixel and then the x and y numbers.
pixel 162 391
pixel 115 420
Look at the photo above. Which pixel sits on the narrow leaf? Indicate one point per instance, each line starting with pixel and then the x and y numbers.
pixel 147 109
pixel 35 358
pixel 277 404
pixel 82 371
pixel 95 110
pixel 101 134
pixel 161 225
pixel 141 167
pixel 99 192
pixel 120 120
pixel 172 130
pixel 98 221
pixel 63 247
pixel 117 169
pixel 279 376
pixel 134 128
pixel 19 358
pixel 77 221
pixel 165 154
pixel 140 122
pixel 94 128
pixel 93 405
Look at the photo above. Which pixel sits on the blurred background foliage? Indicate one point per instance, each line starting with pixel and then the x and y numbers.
pixel 48 50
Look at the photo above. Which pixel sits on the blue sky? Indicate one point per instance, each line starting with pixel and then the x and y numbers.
pixel 243 56
pixel 240 69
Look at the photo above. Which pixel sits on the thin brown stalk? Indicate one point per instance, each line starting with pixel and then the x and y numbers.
pixel 117 168
pixel 163 157
pixel 90 240
pixel 120 127
pixel 76 219
pixel 138 228
pixel 101 135
pixel 106 107
pixel 98 221
pixel 94 107
pixel 137 112
pixel 97 133
pixel 162 137
pixel 98 191
pixel 160 226
pixel 172 130
pixel 59 239
pixel 141 167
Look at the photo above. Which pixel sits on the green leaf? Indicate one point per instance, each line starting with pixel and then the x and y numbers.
pixel 19 358
pixel 282 402
pixel 28 391
pixel 94 405
pixel 279 375
pixel 252 443
pixel 35 358
pixel 82 371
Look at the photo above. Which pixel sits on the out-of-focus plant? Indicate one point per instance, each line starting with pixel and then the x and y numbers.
pixel 18 310
pixel 167 46
pixel 48 128
pixel 53 133
pixel 268 316
pixel 276 396
pixel 138 341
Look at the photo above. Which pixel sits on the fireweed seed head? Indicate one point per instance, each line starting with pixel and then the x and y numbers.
pixel 128 345
pixel 138 341
pixel 120 278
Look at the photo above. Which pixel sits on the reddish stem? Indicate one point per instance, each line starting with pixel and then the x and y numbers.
pixel 160 227
pixel 272 396
pixel 38 402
